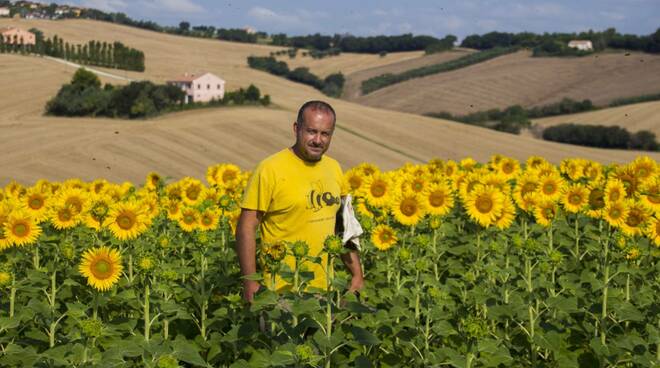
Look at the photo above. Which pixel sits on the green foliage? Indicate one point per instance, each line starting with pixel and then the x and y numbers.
pixel 550 44
pixel 635 99
pixel 384 80
pixel 332 85
pixel 600 136
pixel 447 43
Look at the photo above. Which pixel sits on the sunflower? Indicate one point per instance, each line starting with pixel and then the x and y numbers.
pixel 4 216
pixel 615 213
pixel 484 204
pixel 126 220
pixel 615 191
pixel 208 220
pixel 596 202
pixel 415 183
pixel 469 183
pixel 650 195
pixel 408 208
pixel 525 187
pixel 573 168
pixel 102 267
pixel 153 181
pixel 378 189
pixel 653 231
pixel 439 198
pixel 189 219
pixel 21 229
pixel 535 161
pixel 508 167
pixel 97 186
pixel 35 202
pixel 99 207
pixel 629 180
pixel 383 237
pixel 575 198
pixel 636 220
pixel 367 169
pixel 63 217
pixel 545 211
pixel 74 198
pixel 643 168
pixel 192 191
pixel 468 164
pixel 450 169
pixel 353 181
pixel 550 187
pixel 508 214
pixel 223 175
pixel 593 171
pixel 173 208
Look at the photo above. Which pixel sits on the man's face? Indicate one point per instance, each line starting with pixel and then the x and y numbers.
pixel 313 136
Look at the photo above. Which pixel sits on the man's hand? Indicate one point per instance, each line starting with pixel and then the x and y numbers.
pixel 357 283
pixel 250 287
pixel 351 260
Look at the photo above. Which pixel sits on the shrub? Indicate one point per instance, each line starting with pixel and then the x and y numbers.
pixel 600 136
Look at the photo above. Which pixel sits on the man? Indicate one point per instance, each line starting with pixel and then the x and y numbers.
pixel 295 195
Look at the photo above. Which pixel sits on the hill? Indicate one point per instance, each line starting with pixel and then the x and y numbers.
pixel 521 79
pixel 35 146
pixel 636 117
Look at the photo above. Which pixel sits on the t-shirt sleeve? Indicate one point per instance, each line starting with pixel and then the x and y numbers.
pixel 340 179
pixel 259 190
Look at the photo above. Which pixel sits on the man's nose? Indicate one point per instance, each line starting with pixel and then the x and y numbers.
pixel 317 139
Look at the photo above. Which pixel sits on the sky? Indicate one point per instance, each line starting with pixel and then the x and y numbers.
pixel 389 17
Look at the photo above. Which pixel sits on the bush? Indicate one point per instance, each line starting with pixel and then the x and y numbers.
pixel 332 85
pixel 600 136
pixel 634 100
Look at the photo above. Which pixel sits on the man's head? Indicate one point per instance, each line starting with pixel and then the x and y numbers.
pixel 313 128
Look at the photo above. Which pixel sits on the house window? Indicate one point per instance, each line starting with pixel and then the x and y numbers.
pixel 218 86
pixel 199 86
pixel 208 86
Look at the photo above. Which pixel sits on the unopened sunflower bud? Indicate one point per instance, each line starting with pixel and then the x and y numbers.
pixel 300 249
pixel 168 361
pixel 333 245
pixel 5 278
pixel 91 327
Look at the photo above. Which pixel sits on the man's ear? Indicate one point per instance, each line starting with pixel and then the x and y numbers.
pixel 295 127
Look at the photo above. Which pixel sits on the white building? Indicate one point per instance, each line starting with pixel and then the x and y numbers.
pixel 581 45
pixel 200 87
pixel 4 12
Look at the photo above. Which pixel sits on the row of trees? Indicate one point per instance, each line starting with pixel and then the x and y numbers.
pixel 350 43
pixel 84 96
pixel 548 41
pixel 601 136
pixel 389 79
pixel 110 55
pixel 332 85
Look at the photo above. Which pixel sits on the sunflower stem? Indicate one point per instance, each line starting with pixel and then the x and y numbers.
pixel 130 268
pixel 35 257
pixel 147 319
pixel 328 307
pixel 12 296
pixel 577 238
pixel 95 312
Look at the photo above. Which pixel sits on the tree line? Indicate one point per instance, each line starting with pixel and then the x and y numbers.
pixel 389 79
pixel 549 42
pixel 85 96
pixel 332 85
pixel 601 136
pixel 110 55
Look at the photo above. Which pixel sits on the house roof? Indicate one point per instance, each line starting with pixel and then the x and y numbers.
pixel 191 77
pixel 580 41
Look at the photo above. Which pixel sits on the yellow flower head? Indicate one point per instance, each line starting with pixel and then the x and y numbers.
pixel 508 167
pixel 383 237
pixel 20 229
pixel 353 181
pixel 575 197
pixel 506 217
pixel 550 187
pixel 126 220
pixel 408 208
pixel 189 219
pixel 63 216
pixel 573 168
pixel 102 267
pixel 534 162
pixel 153 181
pixel 35 202
pixel 209 219
pixel 377 189
pixel 596 202
pixel 367 169
pixel 637 218
pixel 616 213
pixel 649 195
pixel 524 189
pixel 615 191
pixel 75 198
pixel 98 186
pixel 4 216
pixel 484 204
pixel 653 230
pixel 643 168
pixel 99 207
pixel 192 191
pixel 439 198
pixel 545 211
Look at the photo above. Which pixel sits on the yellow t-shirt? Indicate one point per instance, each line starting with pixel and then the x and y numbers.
pixel 300 202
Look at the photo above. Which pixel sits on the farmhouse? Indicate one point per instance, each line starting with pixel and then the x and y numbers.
pixel 12 35
pixel 4 12
pixel 200 87
pixel 583 45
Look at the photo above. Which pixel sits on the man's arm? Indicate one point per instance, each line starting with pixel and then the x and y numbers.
pixel 351 260
pixel 246 249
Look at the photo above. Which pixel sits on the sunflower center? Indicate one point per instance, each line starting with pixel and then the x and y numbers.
pixel 507 168
pixel 615 195
pixel 642 172
pixel 385 237
pixel 417 186
pixel 355 182
pixel 125 221
pixel 75 203
pixel 36 203
pixel 634 219
pixel 596 199
pixel 654 198
pixel 192 192
pixel 378 189
pixel 408 207
pixel 228 176
pixel 484 204
pixel 102 269
pixel 528 188
pixel 20 229
pixel 64 214
pixel 207 220
pixel 189 219
pixel 549 188
pixel 437 199
pixel 575 199
pixel 548 213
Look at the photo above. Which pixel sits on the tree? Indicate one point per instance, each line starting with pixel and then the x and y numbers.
pixel 184 27
pixel 83 78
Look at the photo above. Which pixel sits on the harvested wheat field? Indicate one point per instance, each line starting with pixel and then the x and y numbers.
pixel 521 79
pixel 636 117
pixel 347 62
pixel 176 145
pixel 353 86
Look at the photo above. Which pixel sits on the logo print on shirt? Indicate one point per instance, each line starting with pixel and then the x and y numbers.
pixel 319 198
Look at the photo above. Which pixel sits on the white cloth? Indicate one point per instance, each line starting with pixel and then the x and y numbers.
pixel 352 228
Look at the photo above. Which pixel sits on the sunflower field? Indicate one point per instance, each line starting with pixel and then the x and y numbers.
pixel 467 264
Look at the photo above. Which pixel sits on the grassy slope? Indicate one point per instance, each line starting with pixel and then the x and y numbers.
pixel 181 144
